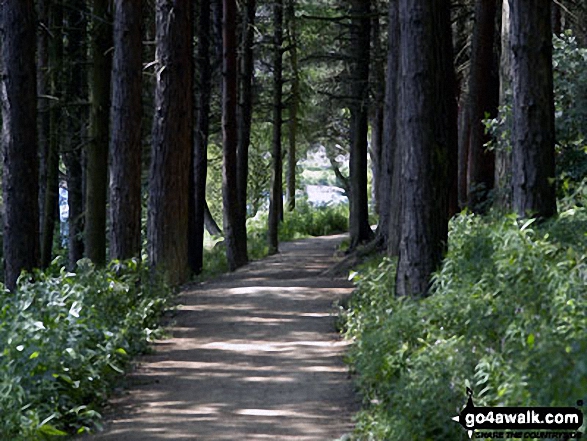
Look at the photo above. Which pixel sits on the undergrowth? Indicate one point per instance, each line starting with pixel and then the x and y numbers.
pixel 507 316
pixel 306 220
pixel 67 338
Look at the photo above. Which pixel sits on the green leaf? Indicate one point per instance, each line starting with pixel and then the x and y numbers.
pixel 50 430
pixel 530 341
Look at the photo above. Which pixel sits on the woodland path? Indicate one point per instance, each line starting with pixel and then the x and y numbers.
pixel 253 356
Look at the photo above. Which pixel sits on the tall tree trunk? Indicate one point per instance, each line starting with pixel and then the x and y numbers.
pixel 19 138
pixel 360 231
pixel 245 111
pixel 234 225
pixel 376 148
pixel 44 101
pixel 293 106
pixel 483 101
pixel 97 165
pixel 276 194
pixel 125 143
pixel 390 170
pixel 76 120
pixel 51 155
pixel 533 109
pixel 167 225
pixel 199 167
pixel 503 158
pixel 427 132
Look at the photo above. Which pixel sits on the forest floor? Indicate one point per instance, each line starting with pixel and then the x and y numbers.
pixel 253 355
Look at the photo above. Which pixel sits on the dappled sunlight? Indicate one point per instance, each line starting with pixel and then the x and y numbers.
pixel 251 356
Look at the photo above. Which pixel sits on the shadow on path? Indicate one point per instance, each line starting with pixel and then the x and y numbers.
pixel 254 356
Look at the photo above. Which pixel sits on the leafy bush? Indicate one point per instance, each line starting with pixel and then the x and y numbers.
pixel 66 337
pixel 306 220
pixel 507 316
pixel 570 96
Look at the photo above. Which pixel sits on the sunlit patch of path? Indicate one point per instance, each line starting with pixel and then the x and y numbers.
pixel 253 356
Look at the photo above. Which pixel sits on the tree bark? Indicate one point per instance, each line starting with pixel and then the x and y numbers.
pixel 76 120
pixel 483 101
pixel 51 154
pixel 245 110
pixel 427 132
pixel 503 158
pixel 293 106
pixel 44 101
pixel 97 160
pixel 199 169
pixel 276 194
pixel 376 148
pixel 533 109
pixel 234 225
pixel 18 94
pixel 360 231
pixel 388 196
pixel 167 225
pixel 390 187
pixel 125 143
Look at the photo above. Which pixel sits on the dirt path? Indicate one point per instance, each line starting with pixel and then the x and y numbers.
pixel 253 356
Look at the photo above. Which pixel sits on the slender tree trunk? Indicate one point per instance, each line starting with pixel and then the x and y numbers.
pixel 503 158
pixel 533 109
pixel 97 165
pixel 483 101
pixel 211 226
pixel 18 93
pixel 245 112
pixel 167 225
pixel 44 101
pixel 427 132
pixel 390 182
pixel 50 207
pixel 199 167
pixel 276 195
pixel 76 120
pixel 376 148
pixel 360 231
pixel 234 225
pixel 125 143
pixel 293 106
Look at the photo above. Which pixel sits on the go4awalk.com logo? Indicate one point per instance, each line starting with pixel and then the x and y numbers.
pixel 520 422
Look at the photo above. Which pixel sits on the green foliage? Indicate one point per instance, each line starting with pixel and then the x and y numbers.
pixel 570 96
pixel 305 221
pixel 66 338
pixel 507 316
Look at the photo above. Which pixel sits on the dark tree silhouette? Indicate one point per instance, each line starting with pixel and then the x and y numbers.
pixel 533 109
pixel 97 151
pixel 199 167
pixel 483 100
pixel 167 225
pixel 245 109
pixel 234 225
pixel 276 192
pixel 427 134
pixel 19 138
pixel 76 90
pixel 360 230
pixel 125 142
